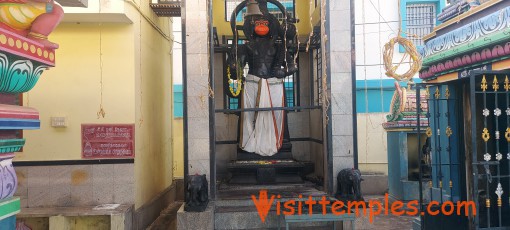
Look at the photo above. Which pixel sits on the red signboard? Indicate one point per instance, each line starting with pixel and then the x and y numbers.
pixel 107 140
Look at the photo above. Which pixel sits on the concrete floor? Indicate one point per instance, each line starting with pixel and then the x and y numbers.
pixel 381 222
pixel 387 221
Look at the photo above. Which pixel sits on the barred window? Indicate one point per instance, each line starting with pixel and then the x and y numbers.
pixel 421 19
pixel 230 5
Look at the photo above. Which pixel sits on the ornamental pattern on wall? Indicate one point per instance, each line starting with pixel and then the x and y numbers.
pixel 8 178
pixel 482 27
pixel 18 76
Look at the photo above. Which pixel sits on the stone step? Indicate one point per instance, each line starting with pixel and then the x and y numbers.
pixel 243 214
pixel 244 192
pixel 249 202
pixel 243 217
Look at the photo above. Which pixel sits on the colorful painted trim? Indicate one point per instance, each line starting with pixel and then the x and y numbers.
pixel 18 112
pixel 16 44
pixel 493 66
pixel 21 16
pixel 478 29
pixel 405 124
pixel 11 145
pixel 499 37
pixel 487 55
pixel 9 207
pixel 19 124
pixel 453 10
pixel 18 76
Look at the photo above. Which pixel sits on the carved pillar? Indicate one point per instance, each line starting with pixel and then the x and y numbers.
pixel 22 61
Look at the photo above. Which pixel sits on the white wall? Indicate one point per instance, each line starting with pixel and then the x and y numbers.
pixel 377 21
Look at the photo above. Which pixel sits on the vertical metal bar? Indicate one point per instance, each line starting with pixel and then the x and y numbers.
pixel 310 56
pixel 297 87
pixel 420 153
pixel 432 148
pixel 224 59
pixel 486 151
pixel 497 148
pixel 328 131
pixel 184 96
pixel 353 84
pixel 508 143
pixel 449 148
pixel 472 99
pixel 437 116
pixel 488 208
pixel 212 130
pixel 499 181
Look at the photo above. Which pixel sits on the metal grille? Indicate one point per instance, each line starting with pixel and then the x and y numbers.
pixel 491 165
pixel 440 154
pixel 421 19
pixel 230 5
pixel 469 122
pixel 318 68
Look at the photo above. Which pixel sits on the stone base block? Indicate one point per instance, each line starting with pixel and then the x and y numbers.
pixel 196 220
pixel 361 222
pixel 374 184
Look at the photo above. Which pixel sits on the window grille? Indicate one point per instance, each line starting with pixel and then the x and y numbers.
pixel 421 19
pixel 318 69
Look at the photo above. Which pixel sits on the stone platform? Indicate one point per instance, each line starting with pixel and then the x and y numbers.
pixel 269 171
pixel 234 209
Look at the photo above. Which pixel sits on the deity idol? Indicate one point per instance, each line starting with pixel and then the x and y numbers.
pixel 269 55
pixel 35 19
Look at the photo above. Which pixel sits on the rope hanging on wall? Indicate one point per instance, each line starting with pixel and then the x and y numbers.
pixel 410 50
pixel 101 112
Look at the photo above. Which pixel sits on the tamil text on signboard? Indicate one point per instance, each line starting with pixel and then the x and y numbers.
pixel 107 140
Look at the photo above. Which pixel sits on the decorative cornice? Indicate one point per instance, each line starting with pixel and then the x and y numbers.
pixel 18 75
pixel 487 55
pixel 18 112
pixel 461 17
pixel 479 29
pixel 403 109
pixel 453 10
pixel 11 145
pixel 167 9
pixel 18 117
pixel 18 45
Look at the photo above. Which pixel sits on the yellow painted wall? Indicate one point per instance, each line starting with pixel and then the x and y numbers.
pixel 223 27
pixel 153 102
pixel 72 89
pixel 137 88
pixel 372 143
pixel 178 147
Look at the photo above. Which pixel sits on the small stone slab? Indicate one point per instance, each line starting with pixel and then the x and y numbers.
pixel 72 211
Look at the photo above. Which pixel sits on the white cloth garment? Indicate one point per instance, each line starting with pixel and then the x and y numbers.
pixel 262 131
